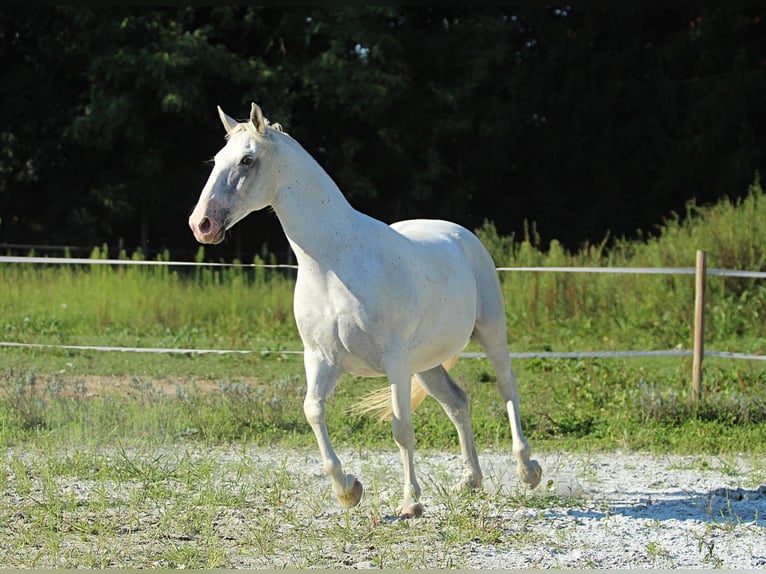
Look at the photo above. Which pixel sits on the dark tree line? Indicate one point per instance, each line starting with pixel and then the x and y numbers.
pixel 586 121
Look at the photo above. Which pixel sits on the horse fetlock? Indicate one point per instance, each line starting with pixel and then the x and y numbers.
pixel 530 474
pixel 350 493
pixel 522 452
pixel 410 507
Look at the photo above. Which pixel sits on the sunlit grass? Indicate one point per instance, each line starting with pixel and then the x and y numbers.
pixel 576 311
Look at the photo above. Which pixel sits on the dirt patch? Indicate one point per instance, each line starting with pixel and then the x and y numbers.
pixel 97 386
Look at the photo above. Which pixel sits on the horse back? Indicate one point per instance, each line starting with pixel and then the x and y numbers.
pixel 439 232
pixel 476 257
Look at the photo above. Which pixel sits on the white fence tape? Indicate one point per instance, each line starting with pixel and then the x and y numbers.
pixel 524 355
pixel 641 270
pixel 149 349
pixel 88 261
pixel 623 270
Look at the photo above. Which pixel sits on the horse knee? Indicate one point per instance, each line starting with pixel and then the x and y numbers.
pixel 403 432
pixel 313 410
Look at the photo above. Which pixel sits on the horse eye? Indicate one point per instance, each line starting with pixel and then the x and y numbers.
pixel 246 160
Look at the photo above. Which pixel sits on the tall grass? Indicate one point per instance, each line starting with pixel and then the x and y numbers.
pixel 567 310
pixel 227 307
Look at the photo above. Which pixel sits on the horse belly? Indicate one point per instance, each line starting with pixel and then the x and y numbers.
pixel 447 321
pixel 443 271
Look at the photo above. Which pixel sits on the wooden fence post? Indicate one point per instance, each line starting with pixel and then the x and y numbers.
pixel 699 325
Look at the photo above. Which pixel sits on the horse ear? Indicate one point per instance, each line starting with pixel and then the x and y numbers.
pixel 228 122
pixel 256 118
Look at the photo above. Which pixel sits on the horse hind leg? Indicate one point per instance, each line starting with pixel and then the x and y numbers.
pixel 493 340
pixel 438 383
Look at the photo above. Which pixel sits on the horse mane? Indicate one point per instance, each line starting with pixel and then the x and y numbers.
pixel 247 126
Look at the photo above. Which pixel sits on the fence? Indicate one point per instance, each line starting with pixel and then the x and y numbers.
pixel 698 354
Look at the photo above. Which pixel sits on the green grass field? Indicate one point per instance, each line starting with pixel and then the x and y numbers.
pixel 64 396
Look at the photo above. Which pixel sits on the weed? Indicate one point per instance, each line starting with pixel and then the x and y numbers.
pixel 706 548
pixel 656 553
pixel 23 400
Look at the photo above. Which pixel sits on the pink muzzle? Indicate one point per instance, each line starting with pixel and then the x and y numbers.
pixel 206 224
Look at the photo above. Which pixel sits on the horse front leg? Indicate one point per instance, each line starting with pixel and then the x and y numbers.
pixel 404 435
pixel 321 379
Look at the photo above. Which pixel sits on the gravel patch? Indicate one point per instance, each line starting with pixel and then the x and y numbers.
pixel 637 510
pixel 248 507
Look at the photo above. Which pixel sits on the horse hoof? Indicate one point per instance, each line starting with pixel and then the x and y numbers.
pixel 414 510
pixel 352 496
pixel 530 475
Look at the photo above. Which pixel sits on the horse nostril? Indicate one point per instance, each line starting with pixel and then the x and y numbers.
pixel 204 225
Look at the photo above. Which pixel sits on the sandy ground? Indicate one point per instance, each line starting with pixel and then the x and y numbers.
pixel 640 511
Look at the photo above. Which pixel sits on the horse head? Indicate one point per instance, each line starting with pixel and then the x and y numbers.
pixel 238 183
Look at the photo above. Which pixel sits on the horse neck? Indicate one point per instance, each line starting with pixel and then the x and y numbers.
pixel 315 216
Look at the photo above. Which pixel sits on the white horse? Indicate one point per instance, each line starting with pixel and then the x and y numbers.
pixel 370 299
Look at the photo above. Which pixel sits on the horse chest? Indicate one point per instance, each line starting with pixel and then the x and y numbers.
pixel 345 323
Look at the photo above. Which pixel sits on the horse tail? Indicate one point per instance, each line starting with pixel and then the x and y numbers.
pixel 379 401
